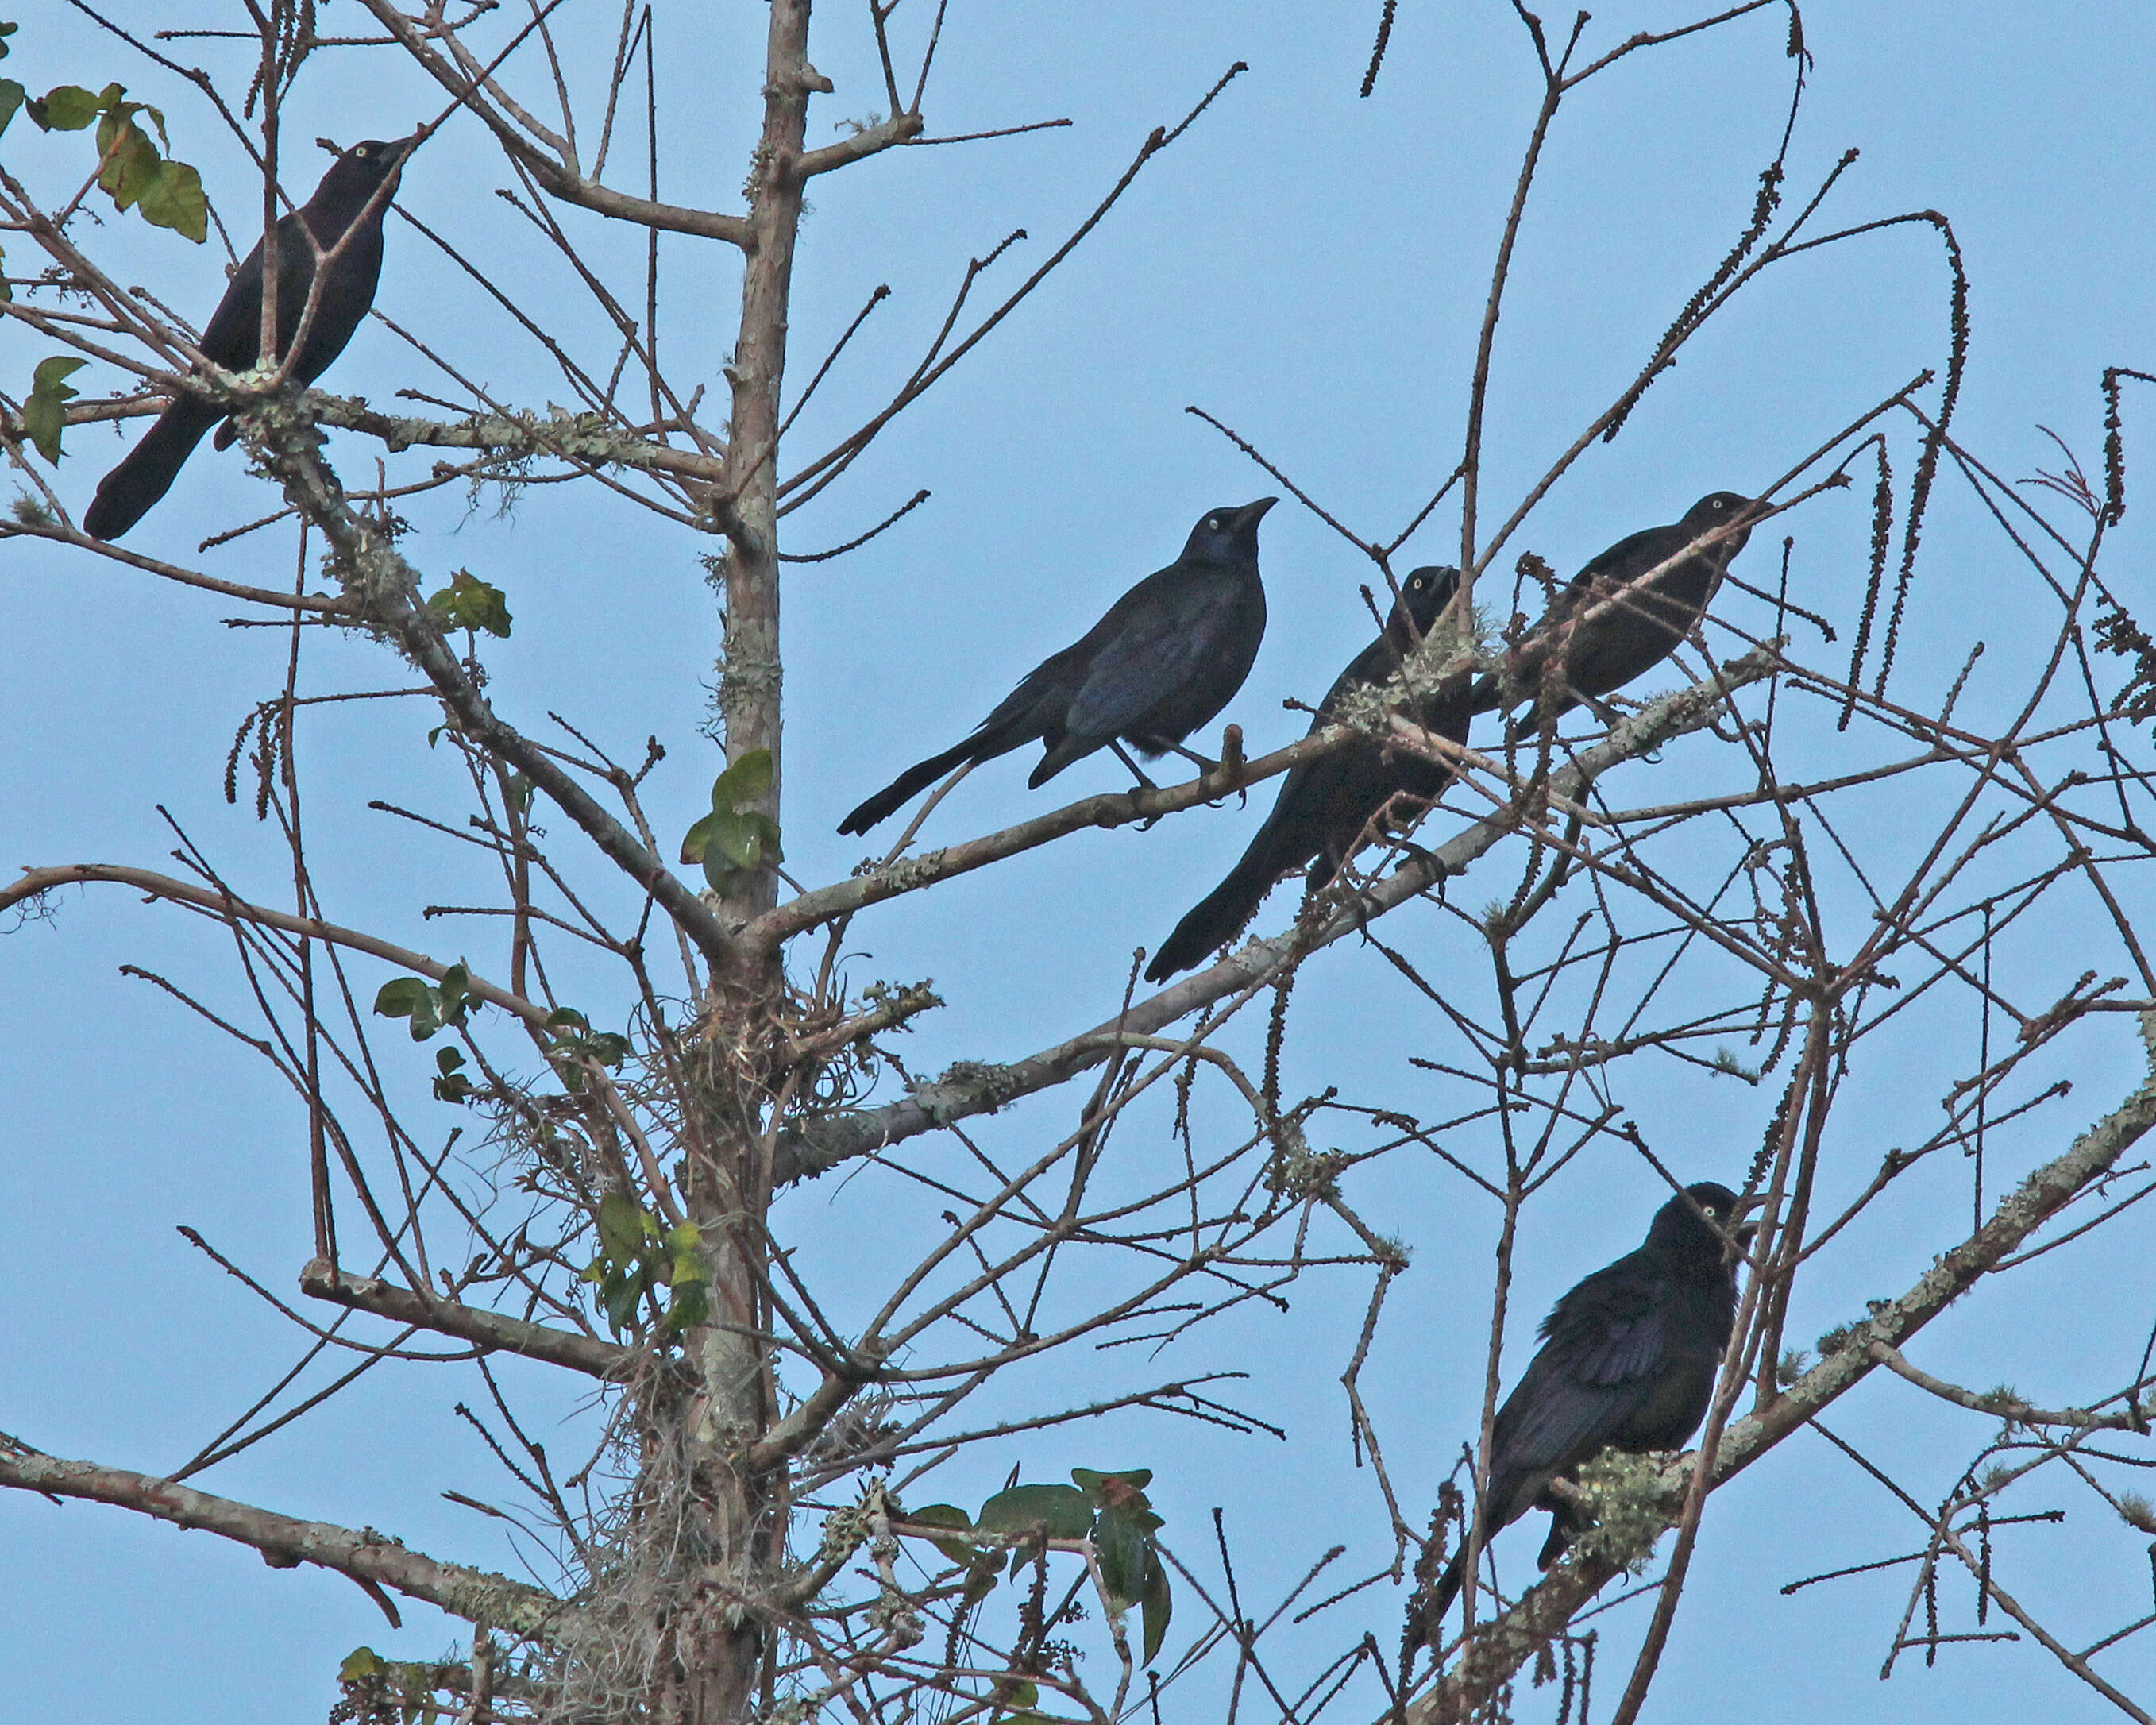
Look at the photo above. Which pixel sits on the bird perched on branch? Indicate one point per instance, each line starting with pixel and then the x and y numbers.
pixel 1618 618
pixel 1166 657
pixel 1325 807
pixel 344 217
pixel 1628 1362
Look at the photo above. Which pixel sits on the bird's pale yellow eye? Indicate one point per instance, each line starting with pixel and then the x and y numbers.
pixel 1213 523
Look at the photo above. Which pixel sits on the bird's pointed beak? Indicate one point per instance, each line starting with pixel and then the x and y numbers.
pixel 1250 513
pixel 1742 1229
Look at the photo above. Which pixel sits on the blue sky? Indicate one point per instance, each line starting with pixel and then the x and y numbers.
pixel 1309 268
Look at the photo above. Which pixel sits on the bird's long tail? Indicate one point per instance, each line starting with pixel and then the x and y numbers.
pixel 129 492
pixel 1219 917
pixel 1441 1597
pixel 919 777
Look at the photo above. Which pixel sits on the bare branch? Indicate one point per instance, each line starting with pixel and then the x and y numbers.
pixel 371 1559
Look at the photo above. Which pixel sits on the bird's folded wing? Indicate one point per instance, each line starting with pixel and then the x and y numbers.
pixel 1613 1328
pixel 1555 1420
pixel 1156 651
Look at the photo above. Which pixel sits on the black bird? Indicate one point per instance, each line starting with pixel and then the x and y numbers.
pixel 233 337
pixel 1325 806
pixel 1628 1362
pixel 1630 633
pixel 1169 655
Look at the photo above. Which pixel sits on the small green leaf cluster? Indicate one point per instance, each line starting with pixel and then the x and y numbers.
pixel 378 1690
pixel 131 169
pixel 575 1042
pixel 1110 1509
pixel 451 1085
pixel 469 602
pixel 635 1256
pixel 735 839
pixel 43 409
pixel 428 1006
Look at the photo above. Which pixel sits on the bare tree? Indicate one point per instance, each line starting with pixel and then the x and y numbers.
pixel 1866 883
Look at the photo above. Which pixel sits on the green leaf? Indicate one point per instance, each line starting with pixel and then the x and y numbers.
pixel 717 871
pixel 1063 1511
pixel 694 841
pixel 1136 1479
pixel 13 96
pixel 400 997
pixel 1159 1608
pixel 469 602
pixel 621 1226
pixel 567 1018
pixel 987 1570
pixel 69 108
pixel 451 1086
pixel 174 199
pixel 6 31
pixel 130 162
pixel 429 1008
pixel 44 410
pixel 623 1293
pixel 690 1306
pixel 455 980
pixel 1125 1543
pixel 739 841
pixel 947 1515
pixel 360 1663
pixel 748 780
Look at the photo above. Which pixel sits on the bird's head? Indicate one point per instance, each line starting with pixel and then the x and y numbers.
pixel 1424 595
pixel 1227 536
pixel 1719 509
pixel 357 171
pixel 1698 1219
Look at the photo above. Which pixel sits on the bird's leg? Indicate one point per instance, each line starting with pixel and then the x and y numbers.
pixel 1439 870
pixel 1136 771
pixel 1607 714
pixel 1151 821
pixel 1230 763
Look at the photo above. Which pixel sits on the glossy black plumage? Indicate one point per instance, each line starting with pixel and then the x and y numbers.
pixel 233 337
pixel 1168 656
pixel 1606 648
pixel 1325 806
pixel 1628 1362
